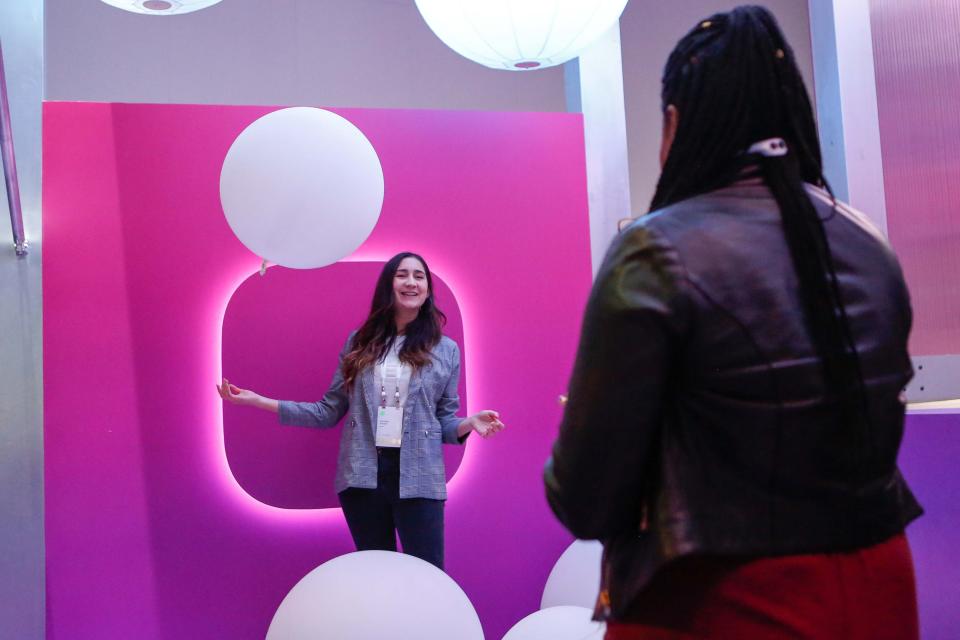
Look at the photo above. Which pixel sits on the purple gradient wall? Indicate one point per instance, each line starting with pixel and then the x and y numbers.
pixel 917 62
pixel 928 459
pixel 148 533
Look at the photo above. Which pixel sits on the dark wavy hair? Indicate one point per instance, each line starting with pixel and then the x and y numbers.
pixel 734 81
pixel 379 330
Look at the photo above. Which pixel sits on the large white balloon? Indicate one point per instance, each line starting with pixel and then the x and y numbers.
pixel 370 595
pixel 558 623
pixel 520 35
pixel 302 187
pixel 161 7
pixel 575 579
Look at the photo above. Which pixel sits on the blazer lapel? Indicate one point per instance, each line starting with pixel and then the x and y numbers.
pixel 371 397
pixel 371 391
pixel 416 378
pixel 415 383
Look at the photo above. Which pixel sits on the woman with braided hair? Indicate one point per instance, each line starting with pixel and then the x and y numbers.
pixel 735 409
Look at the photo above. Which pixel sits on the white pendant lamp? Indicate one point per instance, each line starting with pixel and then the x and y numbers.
pixel 161 7
pixel 520 35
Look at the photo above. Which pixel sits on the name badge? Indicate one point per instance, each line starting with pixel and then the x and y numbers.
pixel 389 426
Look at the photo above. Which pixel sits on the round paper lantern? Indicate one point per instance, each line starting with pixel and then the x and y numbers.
pixel 161 7
pixel 520 34
pixel 558 623
pixel 376 594
pixel 301 187
pixel 575 579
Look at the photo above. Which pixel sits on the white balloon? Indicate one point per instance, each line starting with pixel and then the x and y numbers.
pixel 370 595
pixel 302 187
pixel 161 7
pixel 575 579
pixel 520 35
pixel 558 623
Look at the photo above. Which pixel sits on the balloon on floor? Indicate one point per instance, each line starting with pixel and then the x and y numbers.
pixel 558 623
pixel 376 594
pixel 575 579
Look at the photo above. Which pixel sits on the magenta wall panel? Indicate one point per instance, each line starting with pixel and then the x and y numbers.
pixel 282 334
pixel 149 534
pixel 917 58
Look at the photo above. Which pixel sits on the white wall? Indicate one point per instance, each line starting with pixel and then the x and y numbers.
pixel 649 31
pixel 21 409
pixel 354 53
pixel 358 53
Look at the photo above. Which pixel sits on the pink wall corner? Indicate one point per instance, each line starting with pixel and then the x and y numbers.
pixel 148 533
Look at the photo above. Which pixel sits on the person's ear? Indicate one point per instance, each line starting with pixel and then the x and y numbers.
pixel 671 120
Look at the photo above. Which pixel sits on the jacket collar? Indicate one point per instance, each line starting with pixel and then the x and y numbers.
pixel 371 390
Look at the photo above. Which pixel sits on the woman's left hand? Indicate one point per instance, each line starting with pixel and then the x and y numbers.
pixel 486 423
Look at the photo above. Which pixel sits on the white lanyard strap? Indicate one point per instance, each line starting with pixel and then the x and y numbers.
pixel 390 377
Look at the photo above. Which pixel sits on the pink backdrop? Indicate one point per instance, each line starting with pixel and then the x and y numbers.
pixel 148 533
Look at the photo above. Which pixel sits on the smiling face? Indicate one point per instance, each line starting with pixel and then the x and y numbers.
pixel 410 286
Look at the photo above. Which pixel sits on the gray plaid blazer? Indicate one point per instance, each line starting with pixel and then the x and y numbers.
pixel 429 419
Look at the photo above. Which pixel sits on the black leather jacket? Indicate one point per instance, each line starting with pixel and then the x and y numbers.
pixel 696 420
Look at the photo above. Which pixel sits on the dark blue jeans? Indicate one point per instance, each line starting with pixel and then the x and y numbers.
pixel 377 516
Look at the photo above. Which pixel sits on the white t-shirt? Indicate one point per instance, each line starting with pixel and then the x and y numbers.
pixel 393 375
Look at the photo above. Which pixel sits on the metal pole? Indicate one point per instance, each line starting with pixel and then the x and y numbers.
pixel 10 166
pixel 594 87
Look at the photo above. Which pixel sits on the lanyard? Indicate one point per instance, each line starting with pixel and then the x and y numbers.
pixel 390 376
pixel 389 419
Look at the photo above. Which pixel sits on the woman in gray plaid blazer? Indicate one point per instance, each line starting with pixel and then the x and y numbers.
pixel 397 378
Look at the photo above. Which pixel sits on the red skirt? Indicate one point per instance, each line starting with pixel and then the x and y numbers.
pixel 869 594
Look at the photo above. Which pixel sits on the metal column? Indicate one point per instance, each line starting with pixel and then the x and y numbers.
pixel 10 165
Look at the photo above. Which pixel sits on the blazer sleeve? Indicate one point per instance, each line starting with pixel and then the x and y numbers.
pixel 633 321
pixel 449 403
pixel 329 410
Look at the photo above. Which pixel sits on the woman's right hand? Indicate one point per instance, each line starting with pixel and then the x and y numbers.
pixel 236 395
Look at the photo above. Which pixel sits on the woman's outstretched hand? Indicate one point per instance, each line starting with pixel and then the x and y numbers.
pixel 486 423
pixel 236 395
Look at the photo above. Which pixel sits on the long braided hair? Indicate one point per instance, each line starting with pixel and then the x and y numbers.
pixel 734 81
